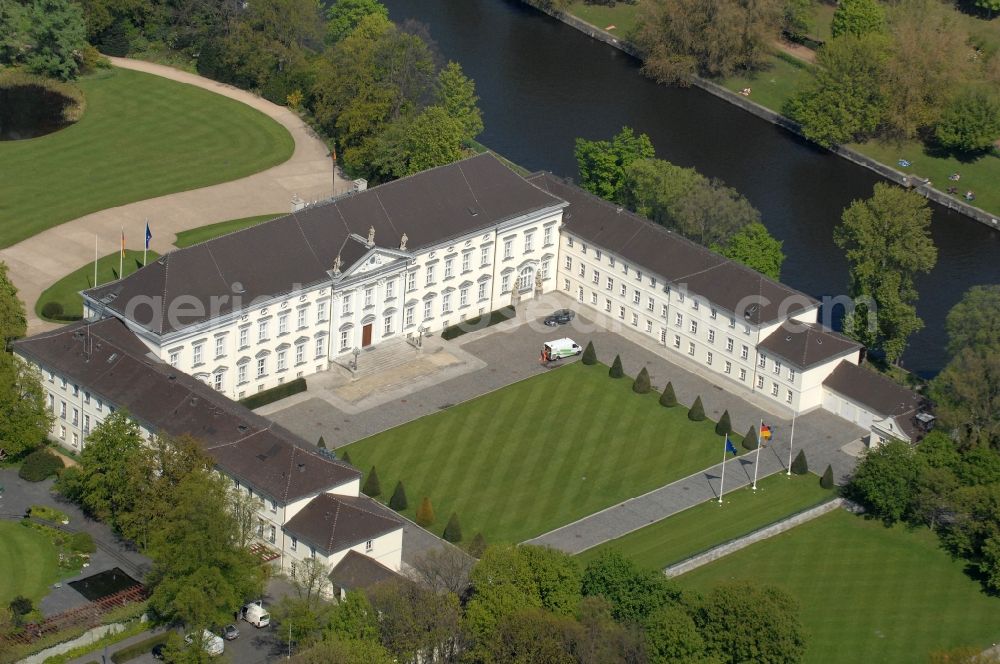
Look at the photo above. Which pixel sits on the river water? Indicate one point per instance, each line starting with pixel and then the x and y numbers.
pixel 542 84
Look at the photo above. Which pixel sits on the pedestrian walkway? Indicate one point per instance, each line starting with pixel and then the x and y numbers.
pixel 41 260
pixel 638 512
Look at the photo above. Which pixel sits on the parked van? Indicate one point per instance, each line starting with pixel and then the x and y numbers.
pixel 255 614
pixel 210 643
pixel 560 348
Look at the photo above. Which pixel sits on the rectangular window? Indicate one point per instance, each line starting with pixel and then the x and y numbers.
pixel 220 346
pixel 409 315
pixel 597 254
pixel 430 275
pixel 463 297
pixel 261 367
pixel 282 360
pixel 301 318
pixel 262 330
pixel 484 255
pixel 62 432
pixel 547 235
pixel 624 290
pixel 625 268
pixel 369 546
pixel 679 320
pixel 597 277
pixel 777 367
pixel 743 374
pixel 607 304
pixel 387 327
pixel 579 296
pixel 729 367
pixel 466 261
pixel 680 297
pixel 86 423
pixel 708 358
pixel 694 304
pixel 677 341
pixel 175 357
pixel 369 296
pixel 788 396
pixel 427 309
pixel 694 327
pixel 583 270
pixel 505 283
pixel 760 382
pixel 711 336
pixel 569 262
pixel 565 285
pixel 482 290
pixel 76 440
pixel 244 337
pixel 663 310
pixel 569 241
pixel 217 379
pixel 638 275
pixel 321 311
pixel 745 352
pixel 271 534
pixel 283 323
pixel 100 405
pixel 636 297
pixel 593 299
pixel 390 289
pixel 649 326
pixel 449 268
pixel 690 348
pixel 746 329
pixel 635 320
pixel 611 283
pixel 621 312
pixel 732 322
pixel 529 242
pixel 650 304
pixel 508 249
pixel 345 339
pixel 791 375
pixel 411 281
pixel 545 269
pixel 294 544
pixel 321 347
pixel 198 354
pixel 729 345
pixel 611 261
pixel 762 361
pixel 76 416
pixel 583 248
pixel 241 373
pixel 714 314
pixel 446 303
pixel 663 336
pixel 300 353
pixel 774 389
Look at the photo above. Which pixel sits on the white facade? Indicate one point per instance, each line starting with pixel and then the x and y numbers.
pixel 386 549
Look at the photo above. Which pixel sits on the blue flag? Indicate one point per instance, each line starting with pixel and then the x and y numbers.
pixel 149 235
pixel 730 447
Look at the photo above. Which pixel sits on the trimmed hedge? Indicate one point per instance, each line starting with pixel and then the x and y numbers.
pixel 724 426
pixel 668 398
pixel 800 466
pixel 697 411
pixel 425 513
pixel 478 323
pixel 827 480
pixel 372 487
pixel 589 354
pixel 398 501
pixel 39 465
pixel 641 384
pixel 616 370
pixel 453 531
pixel 275 393
pixel 750 440
pixel 139 649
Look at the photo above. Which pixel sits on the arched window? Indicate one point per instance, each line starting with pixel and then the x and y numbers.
pixel 526 279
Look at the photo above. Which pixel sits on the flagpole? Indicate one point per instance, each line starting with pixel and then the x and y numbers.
pixel 145 246
pixel 791 442
pixel 757 459
pixel 95 260
pixel 121 255
pixel 725 451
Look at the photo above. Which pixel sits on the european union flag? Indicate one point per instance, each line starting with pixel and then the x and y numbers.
pixel 730 447
pixel 149 235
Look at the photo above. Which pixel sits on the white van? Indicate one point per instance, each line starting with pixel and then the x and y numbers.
pixel 210 643
pixel 560 348
pixel 255 614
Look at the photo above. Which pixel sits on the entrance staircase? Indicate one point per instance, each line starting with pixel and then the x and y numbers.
pixel 373 360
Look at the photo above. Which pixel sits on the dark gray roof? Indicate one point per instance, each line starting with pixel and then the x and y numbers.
pixel 807 344
pixel 880 394
pixel 333 523
pixel 356 571
pixel 107 359
pixel 272 258
pixel 725 283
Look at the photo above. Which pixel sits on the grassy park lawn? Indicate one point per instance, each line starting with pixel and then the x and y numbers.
pixel 203 233
pixel 541 453
pixel 707 525
pixel 822 20
pixel 29 561
pixel 66 290
pixel 866 593
pixel 773 86
pixel 141 136
pixel 623 16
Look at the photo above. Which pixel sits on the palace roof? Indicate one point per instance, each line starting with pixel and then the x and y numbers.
pixel 333 523
pixel 807 344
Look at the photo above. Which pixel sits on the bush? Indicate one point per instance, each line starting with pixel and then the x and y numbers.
pixel 589 354
pixel 398 501
pixel 970 123
pixel 478 323
pixel 321 443
pixel 668 398
pixel 48 513
pixel 39 465
pixel 425 513
pixel 750 441
pixel 21 606
pixel 82 543
pixel 346 458
pixel 827 480
pixel 275 393
pixel 800 466
pixel 136 650
pixel 697 412
pixel 641 384
pixel 52 310
pixel 372 487
pixel 477 546
pixel 723 426
pixel 616 370
pixel 453 531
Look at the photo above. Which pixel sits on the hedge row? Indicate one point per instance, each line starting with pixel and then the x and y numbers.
pixel 139 649
pixel 478 323
pixel 275 393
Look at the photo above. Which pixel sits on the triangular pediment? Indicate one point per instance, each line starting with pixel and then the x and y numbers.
pixel 375 259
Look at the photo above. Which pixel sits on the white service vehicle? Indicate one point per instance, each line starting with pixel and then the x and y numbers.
pixel 210 643
pixel 255 614
pixel 560 348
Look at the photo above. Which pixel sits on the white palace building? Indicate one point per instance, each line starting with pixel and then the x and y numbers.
pixel 176 342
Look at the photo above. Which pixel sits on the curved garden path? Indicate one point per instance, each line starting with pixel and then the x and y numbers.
pixel 41 260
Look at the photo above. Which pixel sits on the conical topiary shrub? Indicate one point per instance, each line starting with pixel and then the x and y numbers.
pixel 346 458
pixel 750 440
pixel 641 384
pixel 697 411
pixel 398 501
pixel 321 444
pixel 589 354
pixel 372 486
pixel 453 531
pixel 722 427
pixel 425 513
pixel 827 480
pixel 477 546
pixel 800 466
pixel 616 368
pixel 668 398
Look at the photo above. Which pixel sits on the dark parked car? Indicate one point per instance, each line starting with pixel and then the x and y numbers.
pixel 157 650
pixel 230 632
pixel 560 317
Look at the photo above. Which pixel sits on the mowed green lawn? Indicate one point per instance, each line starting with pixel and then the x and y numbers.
pixel 773 86
pixel 867 593
pixel 622 15
pixel 538 454
pixel 66 290
pixel 141 136
pixel 707 525
pixel 203 233
pixel 29 563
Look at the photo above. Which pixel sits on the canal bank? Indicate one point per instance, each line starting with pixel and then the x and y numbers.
pixel 921 186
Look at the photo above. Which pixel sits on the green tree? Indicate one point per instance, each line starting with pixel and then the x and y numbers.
pixel 616 370
pixel 425 513
pixel 603 164
pixel 654 187
pixel 343 16
pixel 412 144
pixel 858 18
pixel 800 466
pixel 970 123
pixel 589 354
pixel 723 426
pixel 15 25
pixel 668 398
pixel 412 619
pixel 887 241
pixel 372 487
pixel 344 651
pixel 967 394
pixel 750 440
pixel 827 480
pixel 398 500
pixel 633 593
pixel 456 93
pixel 26 420
pixel 555 576
pixel 697 411
pixel 885 479
pixel 301 619
pixel 531 635
pixel 712 213
pixel 742 622
pixel 756 248
pixel 353 618
pixel 641 383
pixel 477 546
pixel 975 321
pixel 346 458
pixel 453 530
pixel 321 443
pixel 46 36
pixel 671 636
pixel 844 100
pixel 13 322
